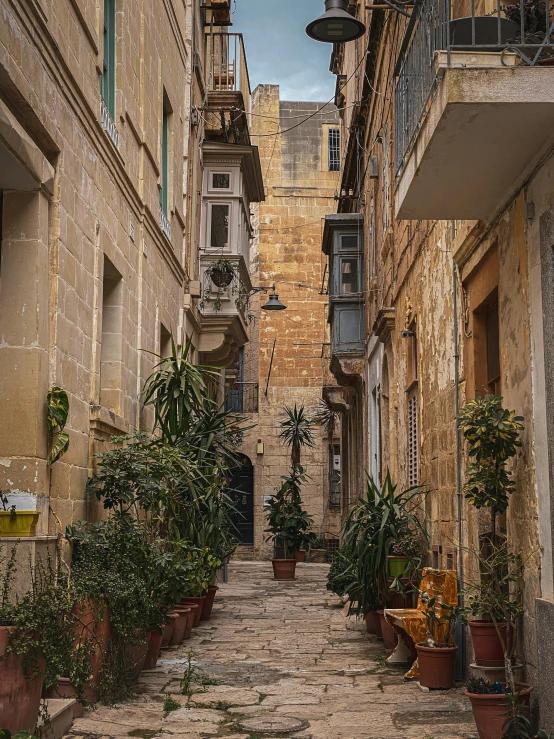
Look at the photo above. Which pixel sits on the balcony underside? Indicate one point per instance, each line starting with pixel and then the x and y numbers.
pixel 221 336
pixel 483 134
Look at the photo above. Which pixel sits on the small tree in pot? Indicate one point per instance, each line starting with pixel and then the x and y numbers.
pixel 288 524
pixel 437 655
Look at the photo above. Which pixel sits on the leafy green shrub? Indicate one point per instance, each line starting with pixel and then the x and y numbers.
pixel 480 686
pixel 342 576
pixel 288 522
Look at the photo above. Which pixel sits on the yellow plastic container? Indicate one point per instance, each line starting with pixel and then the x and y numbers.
pixel 24 523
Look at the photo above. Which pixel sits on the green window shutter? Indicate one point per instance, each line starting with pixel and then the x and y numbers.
pixel 165 179
pixel 107 80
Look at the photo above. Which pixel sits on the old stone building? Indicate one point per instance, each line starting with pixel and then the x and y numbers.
pixel 286 360
pixel 451 242
pixel 109 167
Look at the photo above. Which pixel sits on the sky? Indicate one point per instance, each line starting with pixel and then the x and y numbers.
pixel 278 50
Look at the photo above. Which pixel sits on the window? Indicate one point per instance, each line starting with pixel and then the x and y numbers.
pixel 111 349
pixel 334 149
pixel 413 441
pixel 371 238
pixel 493 350
pixel 334 486
pixel 386 178
pixel 349 275
pixel 107 80
pixel 219 226
pixel 221 181
pixel 165 158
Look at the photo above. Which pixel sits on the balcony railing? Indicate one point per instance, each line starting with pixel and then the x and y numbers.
pixel 165 225
pixel 525 29
pixel 108 124
pixel 226 65
pixel 243 398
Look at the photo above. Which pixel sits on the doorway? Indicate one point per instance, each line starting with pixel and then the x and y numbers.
pixel 242 494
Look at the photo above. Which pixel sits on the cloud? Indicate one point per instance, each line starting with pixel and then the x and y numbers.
pixel 279 52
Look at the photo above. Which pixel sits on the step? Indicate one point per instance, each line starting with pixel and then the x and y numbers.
pixel 60 711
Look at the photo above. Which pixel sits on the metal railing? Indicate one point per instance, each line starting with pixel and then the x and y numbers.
pixel 243 398
pixel 524 28
pixel 226 65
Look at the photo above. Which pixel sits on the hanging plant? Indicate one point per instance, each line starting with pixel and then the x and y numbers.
pixel 58 411
pixel 223 273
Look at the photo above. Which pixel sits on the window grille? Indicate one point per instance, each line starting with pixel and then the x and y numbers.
pixel 413 441
pixel 334 150
pixel 386 178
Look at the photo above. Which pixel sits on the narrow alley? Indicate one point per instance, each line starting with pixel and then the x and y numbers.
pixel 287 662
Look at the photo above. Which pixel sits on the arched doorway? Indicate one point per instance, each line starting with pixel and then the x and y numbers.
pixel 242 494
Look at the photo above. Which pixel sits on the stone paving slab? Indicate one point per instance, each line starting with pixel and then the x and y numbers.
pixel 282 651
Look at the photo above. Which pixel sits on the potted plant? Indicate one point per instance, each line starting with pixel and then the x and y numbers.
pixel 499 713
pixel 318 552
pixel 14 522
pixel 437 655
pixel 288 524
pixel 493 437
pixel 221 272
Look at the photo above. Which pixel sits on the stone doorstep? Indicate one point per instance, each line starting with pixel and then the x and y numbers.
pixel 60 711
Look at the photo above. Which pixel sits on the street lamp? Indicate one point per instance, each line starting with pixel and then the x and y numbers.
pixel 273 302
pixel 336 25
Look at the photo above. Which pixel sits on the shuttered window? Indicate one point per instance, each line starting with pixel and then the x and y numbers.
pixel 107 80
pixel 413 440
pixel 334 150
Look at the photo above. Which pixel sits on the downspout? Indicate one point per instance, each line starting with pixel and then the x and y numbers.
pixel 460 628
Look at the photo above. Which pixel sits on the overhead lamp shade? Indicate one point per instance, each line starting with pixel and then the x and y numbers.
pixel 336 25
pixel 274 303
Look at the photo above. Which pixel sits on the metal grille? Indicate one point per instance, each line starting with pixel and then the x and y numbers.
pixel 524 28
pixel 334 150
pixel 413 441
pixel 243 398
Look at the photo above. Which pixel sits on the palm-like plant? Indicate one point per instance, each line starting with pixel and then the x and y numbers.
pixel 379 519
pixel 296 432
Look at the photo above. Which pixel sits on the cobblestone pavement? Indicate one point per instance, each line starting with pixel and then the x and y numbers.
pixel 287 661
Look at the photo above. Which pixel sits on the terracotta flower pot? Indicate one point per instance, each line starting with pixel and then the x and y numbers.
pixel 65 689
pixel 284 569
pixel 137 656
pixel 209 602
pixel 168 629
pixel 153 651
pixel 190 621
pixel 92 624
pixel 387 632
pixel 318 555
pixel 489 710
pixel 180 625
pixel 486 644
pixel 300 555
pixel 436 666
pixel 19 698
pixel 198 601
pixel 371 617
pixel 377 624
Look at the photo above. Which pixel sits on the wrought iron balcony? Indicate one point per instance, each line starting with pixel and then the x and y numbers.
pixel 243 398
pixel 450 67
pixel 108 124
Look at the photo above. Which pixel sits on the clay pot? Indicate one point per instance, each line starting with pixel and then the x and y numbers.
pixel 318 555
pixel 19 698
pixel 154 647
pixel 486 644
pixel 436 666
pixel 284 569
pixel 371 619
pixel 209 603
pixel 93 624
pixel 168 629
pixel 65 689
pixel 197 601
pixel 388 633
pixel 300 555
pixel 137 656
pixel 180 625
pixel 489 710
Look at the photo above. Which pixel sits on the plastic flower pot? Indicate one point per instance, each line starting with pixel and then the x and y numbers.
pixel 388 633
pixel 137 656
pixel 222 277
pixel 19 698
pixel 198 601
pixel 168 629
pixel 398 565
pixel 154 647
pixel 180 625
pixel 489 710
pixel 486 644
pixel 209 603
pixel 300 555
pixel 24 523
pixel 284 569
pixel 436 666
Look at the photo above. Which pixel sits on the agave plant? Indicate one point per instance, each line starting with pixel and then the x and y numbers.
pixel 296 432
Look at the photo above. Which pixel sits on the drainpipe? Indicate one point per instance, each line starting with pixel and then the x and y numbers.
pixel 460 628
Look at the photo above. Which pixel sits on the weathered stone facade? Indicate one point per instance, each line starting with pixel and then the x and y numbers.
pixel 288 350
